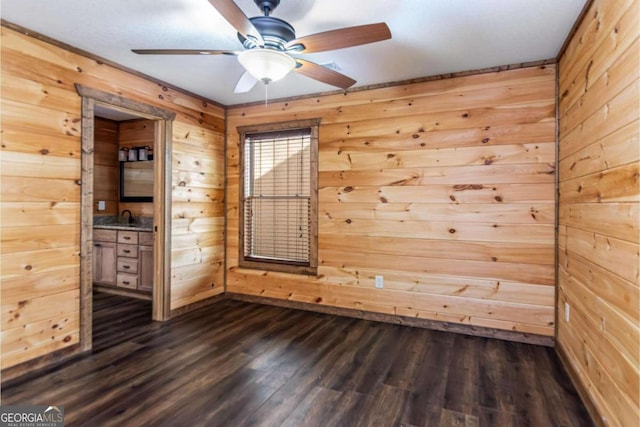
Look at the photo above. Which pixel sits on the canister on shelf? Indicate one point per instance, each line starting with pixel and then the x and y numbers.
pixel 123 154
pixel 143 152
pixel 133 154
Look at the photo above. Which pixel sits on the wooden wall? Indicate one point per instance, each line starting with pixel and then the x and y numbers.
pixel 599 209
pixel 136 133
pixel 110 136
pixel 198 214
pixel 446 188
pixel 106 168
pixel 40 191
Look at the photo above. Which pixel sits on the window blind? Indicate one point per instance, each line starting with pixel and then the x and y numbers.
pixel 277 196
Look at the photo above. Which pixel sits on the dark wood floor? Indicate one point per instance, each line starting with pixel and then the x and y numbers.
pixel 242 364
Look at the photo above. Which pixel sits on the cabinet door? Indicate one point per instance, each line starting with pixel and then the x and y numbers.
pixel 104 263
pixel 145 268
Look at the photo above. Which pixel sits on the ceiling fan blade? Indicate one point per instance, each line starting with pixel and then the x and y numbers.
pixel 234 15
pixel 183 52
pixel 245 84
pixel 323 74
pixel 338 39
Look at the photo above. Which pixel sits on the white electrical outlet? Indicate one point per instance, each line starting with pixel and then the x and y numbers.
pixel 567 312
pixel 101 205
pixel 379 282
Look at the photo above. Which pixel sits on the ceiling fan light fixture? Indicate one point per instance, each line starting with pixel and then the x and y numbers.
pixel 266 65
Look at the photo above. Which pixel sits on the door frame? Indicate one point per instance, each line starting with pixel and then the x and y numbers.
pixel 161 207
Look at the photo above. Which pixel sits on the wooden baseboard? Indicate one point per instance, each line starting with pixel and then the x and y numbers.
pixel 402 320
pixel 196 305
pixel 582 391
pixel 123 292
pixel 65 354
pixel 31 367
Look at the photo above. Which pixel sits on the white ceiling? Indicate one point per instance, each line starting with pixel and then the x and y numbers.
pixel 429 37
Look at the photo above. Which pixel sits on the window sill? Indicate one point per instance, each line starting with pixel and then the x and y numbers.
pixel 278 267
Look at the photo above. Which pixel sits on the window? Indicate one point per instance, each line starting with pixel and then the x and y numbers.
pixel 278 196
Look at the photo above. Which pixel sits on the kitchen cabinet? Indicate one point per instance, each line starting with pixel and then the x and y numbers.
pixel 145 260
pixel 104 263
pixel 146 268
pixel 123 259
pixel 104 257
pixel 127 265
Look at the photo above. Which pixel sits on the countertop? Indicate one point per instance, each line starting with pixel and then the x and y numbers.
pixel 123 227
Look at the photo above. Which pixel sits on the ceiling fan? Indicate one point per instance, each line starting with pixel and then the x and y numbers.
pixel 269 42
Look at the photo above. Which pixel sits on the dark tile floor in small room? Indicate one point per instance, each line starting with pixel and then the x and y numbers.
pixel 240 364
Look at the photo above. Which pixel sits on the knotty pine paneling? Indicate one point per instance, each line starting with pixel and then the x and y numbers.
pixel 446 188
pixel 40 231
pixel 108 140
pixel 599 210
pixel 197 237
pixel 105 166
pixel 136 133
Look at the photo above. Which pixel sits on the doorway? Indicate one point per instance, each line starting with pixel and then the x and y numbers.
pixel 92 100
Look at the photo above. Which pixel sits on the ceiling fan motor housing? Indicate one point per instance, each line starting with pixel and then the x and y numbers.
pixel 275 32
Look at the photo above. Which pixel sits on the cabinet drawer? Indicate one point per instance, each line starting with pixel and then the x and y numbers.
pixel 129 251
pixel 104 235
pixel 128 237
pixel 127 280
pixel 128 265
pixel 145 238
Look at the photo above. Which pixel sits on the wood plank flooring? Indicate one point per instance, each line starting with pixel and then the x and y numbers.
pixel 241 364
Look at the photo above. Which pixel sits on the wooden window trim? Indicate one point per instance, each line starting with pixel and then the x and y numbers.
pixel 269 265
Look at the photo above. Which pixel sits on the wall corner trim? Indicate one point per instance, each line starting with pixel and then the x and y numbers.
pixel 582 392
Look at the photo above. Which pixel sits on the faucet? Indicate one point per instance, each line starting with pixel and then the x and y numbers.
pixel 130 215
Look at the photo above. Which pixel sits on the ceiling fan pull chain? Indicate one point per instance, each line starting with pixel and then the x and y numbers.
pixel 266 95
